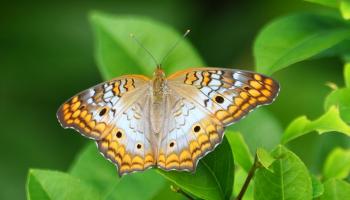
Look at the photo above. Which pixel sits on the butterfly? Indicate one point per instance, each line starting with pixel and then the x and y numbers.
pixel 165 122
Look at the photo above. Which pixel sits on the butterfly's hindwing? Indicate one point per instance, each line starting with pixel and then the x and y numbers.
pixel 190 134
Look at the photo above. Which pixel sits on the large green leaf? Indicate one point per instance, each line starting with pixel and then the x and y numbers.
pixel 328 122
pixel 240 149
pixel 117 53
pixel 289 180
pixel 45 184
pixel 297 37
pixel 214 175
pixel 336 190
pixel 337 164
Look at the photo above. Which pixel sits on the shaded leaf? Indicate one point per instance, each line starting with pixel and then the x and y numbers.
pixel 328 122
pixel 213 178
pixel 45 184
pixel 117 53
pixel 239 149
pixel 297 37
pixel 264 158
pixel 337 164
pixel 317 187
pixel 289 180
pixel 336 190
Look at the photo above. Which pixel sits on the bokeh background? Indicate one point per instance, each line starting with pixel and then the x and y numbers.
pixel 47 55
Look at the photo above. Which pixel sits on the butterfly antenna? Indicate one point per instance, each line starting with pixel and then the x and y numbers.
pixel 144 48
pixel 173 47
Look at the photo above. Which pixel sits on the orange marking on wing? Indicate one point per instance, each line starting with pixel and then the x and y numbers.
pixel 75 106
pixel 100 127
pixel 75 99
pixel 257 77
pixel 232 109
pixel 76 114
pixel 213 137
pixel 206 78
pixel 116 89
pixel 67 116
pixel 268 81
pixel 266 93
pixel 262 99
pixel 191 77
pixel 83 114
pixel 238 101
pixel 254 92
pixel 185 155
pixel 255 84
pixel 92 124
pixel 244 95
pixel 65 106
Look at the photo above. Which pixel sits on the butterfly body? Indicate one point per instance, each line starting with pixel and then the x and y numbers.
pixel 168 122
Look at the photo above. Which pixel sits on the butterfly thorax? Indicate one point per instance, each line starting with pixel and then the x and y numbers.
pixel 158 85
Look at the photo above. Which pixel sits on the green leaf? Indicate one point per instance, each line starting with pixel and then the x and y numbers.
pixel 85 165
pixel 117 53
pixel 45 184
pixel 213 178
pixel 336 190
pixel 317 187
pixel 289 180
pixel 337 164
pixel 264 158
pixel 265 133
pixel 297 37
pixel 345 9
pixel 239 149
pixel 341 99
pixel 328 122
pixel 330 3
pixel 145 185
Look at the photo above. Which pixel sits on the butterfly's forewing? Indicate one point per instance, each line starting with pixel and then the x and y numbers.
pixel 110 113
pixel 217 97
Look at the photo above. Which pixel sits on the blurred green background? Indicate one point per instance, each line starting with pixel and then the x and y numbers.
pixel 46 56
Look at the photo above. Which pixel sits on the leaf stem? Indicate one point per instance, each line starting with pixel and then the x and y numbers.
pixel 178 190
pixel 251 172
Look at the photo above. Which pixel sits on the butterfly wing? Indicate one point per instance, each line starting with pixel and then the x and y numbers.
pixel 212 98
pixel 110 114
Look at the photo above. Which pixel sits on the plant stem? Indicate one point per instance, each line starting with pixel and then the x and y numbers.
pixel 178 190
pixel 248 179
